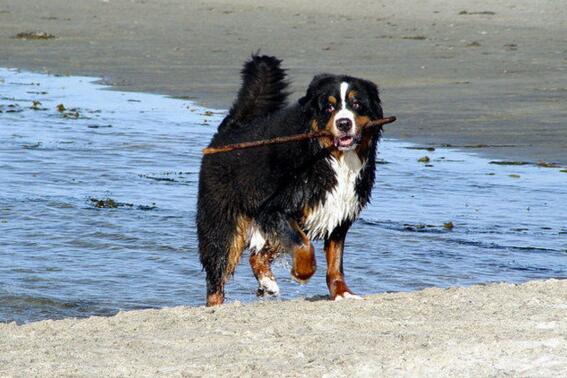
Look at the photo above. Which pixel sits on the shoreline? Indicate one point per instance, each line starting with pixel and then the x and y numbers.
pixel 462 75
pixel 496 329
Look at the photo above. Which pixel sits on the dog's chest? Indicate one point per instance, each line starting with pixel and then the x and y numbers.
pixel 341 202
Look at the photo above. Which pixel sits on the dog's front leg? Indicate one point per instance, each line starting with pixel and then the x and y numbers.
pixel 334 247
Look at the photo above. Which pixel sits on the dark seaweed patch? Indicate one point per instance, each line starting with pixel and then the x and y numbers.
pixel 481 13
pixel 11 108
pixel 33 35
pixel 545 164
pixel 98 126
pixel 36 105
pixel 448 225
pixel 431 149
pixel 415 37
pixel 72 113
pixel 166 179
pixel 32 146
pixel 505 162
pixel 109 203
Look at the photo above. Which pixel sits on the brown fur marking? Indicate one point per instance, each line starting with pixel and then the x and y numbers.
pixel 352 94
pixel 335 278
pixel 215 299
pixel 260 263
pixel 237 246
pixel 303 264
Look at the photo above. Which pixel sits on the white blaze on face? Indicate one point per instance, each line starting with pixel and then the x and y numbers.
pixel 343 111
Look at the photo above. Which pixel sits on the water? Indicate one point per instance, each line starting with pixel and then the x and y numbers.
pixel 61 256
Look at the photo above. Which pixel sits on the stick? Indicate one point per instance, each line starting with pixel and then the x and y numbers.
pixel 287 139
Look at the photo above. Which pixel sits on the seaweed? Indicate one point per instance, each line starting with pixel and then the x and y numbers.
pixel 415 37
pixel 109 203
pixel 36 105
pixel 545 164
pixel 482 13
pixel 505 162
pixel 68 113
pixel 33 35
pixel 448 225
pixel 431 149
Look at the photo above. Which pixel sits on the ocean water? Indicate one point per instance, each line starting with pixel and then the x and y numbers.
pixel 64 254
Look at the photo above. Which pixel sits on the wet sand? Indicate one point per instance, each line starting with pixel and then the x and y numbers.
pixel 479 75
pixel 495 330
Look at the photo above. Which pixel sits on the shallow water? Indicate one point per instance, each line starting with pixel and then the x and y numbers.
pixel 61 256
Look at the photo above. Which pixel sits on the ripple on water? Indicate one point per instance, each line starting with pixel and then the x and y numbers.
pixel 62 255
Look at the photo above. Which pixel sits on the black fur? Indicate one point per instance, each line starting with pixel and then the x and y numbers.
pixel 263 91
pixel 272 184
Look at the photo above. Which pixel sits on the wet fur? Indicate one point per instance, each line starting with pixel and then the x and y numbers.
pixel 267 187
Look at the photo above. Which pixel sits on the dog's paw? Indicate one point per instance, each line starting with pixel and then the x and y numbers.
pixel 303 263
pixel 268 287
pixel 298 280
pixel 346 295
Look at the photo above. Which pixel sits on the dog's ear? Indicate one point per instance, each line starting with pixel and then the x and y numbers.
pixel 310 98
pixel 374 97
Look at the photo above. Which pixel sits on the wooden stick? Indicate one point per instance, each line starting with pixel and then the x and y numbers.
pixel 288 138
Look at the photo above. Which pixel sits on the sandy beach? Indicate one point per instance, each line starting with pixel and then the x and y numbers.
pixel 494 330
pixel 486 77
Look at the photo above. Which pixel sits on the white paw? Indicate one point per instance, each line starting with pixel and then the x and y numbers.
pixel 346 295
pixel 268 286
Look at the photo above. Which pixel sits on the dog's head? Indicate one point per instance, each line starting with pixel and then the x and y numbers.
pixel 342 105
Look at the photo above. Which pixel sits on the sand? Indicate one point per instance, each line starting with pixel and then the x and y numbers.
pixel 464 73
pixel 494 330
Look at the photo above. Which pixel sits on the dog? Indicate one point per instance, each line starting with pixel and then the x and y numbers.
pixel 279 198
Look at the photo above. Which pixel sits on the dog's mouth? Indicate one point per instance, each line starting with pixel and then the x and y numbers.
pixel 346 142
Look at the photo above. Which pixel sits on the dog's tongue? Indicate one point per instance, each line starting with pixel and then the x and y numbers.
pixel 344 141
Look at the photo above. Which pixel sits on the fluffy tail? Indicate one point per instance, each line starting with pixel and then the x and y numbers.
pixel 263 90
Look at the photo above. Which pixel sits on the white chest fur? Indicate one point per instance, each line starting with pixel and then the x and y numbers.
pixel 341 202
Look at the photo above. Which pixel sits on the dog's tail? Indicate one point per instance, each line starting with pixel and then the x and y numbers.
pixel 263 90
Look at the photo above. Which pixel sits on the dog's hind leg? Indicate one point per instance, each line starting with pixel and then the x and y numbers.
pixel 220 253
pixel 260 263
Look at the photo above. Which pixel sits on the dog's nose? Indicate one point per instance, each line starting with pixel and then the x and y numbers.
pixel 344 124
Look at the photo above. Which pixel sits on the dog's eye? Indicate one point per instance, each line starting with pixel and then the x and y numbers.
pixel 330 108
pixel 356 105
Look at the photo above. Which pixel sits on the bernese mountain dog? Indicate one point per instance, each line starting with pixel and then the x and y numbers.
pixel 278 198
